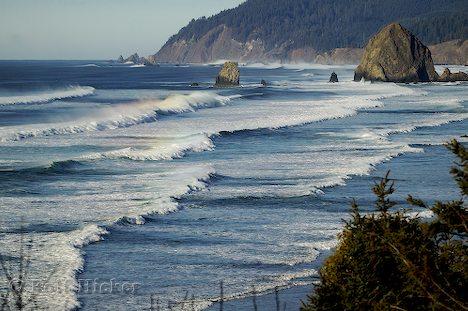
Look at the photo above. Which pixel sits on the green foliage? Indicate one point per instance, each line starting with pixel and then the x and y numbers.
pixel 439 26
pixel 326 24
pixel 391 261
pixel 460 170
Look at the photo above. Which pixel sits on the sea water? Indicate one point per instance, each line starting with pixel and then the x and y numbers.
pixel 133 186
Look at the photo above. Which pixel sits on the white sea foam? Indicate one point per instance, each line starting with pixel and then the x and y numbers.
pixel 88 65
pixel 264 66
pixel 106 200
pixel 425 214
pixel 217 62
pixel 47 96
pixel 284 281
pixel 119 116
pixel 61 253
pixel 165 149
pixel 438 120
pixel 137 66
pixel 180 183
pixel 299 66
pixel 58 256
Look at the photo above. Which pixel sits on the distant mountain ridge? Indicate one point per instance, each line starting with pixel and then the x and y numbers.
pixel 309 30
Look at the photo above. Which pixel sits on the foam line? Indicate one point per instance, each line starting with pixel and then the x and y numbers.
pixel 120 116
pixel 44 97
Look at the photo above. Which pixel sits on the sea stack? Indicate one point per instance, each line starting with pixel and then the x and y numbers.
pixel 396 55
pixel 333 78
pixel 448 76
pixel 135 58
pixel 229 75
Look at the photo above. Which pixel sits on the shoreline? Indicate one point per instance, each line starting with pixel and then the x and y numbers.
pixel 294 295
pixel 291 295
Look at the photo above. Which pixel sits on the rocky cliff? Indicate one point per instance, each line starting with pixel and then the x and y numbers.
pixel 219 44
pixel 454 52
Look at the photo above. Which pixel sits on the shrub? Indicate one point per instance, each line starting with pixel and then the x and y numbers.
pixel 388 260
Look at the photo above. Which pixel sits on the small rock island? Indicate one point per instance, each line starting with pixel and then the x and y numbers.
pixel 448 76
pixel 229 75
pixel 396 55
pixel 137 60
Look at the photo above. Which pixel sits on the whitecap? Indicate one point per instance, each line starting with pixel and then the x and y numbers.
pixel 120 116
pixel 47 96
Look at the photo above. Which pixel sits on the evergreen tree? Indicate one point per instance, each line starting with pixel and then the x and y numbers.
pixel 328 24
pixel 391 261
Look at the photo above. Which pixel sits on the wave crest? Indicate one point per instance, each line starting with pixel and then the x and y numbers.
pixel 45 97
pixel 161 150
pixel 120 116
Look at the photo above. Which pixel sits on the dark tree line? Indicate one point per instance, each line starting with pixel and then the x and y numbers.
pixel 326 24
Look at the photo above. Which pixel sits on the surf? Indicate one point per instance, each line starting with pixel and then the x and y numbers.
pixel 48 96
pixel 120 116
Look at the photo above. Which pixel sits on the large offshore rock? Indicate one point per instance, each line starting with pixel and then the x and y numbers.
pixel 229 75
pixel 396 55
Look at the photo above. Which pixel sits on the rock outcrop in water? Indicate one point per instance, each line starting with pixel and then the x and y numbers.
pixel 137 60
pixel 229 75
pixel 396 55
pixel 448 76
pixel 333 78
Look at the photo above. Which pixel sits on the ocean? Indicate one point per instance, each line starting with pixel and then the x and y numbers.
pixel 135 189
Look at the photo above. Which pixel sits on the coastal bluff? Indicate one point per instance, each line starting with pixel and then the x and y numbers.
pixel 396 55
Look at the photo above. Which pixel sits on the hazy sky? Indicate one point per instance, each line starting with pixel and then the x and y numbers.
pixel 94 29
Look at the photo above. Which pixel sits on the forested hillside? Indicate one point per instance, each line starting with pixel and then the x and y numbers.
pixel 324 24
pixel 327 24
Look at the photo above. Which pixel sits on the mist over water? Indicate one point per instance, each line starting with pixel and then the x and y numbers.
pixel 187 186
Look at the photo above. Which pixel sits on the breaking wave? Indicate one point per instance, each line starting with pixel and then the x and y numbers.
pixel 161 150
pixel 120 116
pixel 88 65
pixel 62 251
pixel 40 98
pixel 264 66
pixel 442 119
